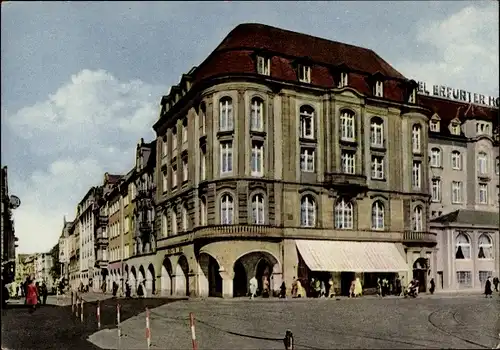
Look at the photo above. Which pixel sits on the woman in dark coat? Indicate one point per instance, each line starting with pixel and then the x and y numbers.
pixel 433 286
pixel 487 288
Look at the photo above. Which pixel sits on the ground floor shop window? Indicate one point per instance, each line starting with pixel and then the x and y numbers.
pixel 483 276
pixel 464 279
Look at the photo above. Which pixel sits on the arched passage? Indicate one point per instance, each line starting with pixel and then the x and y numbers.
pixel 182 277
pixel 133 279
pixel 141 278
pixel 166 277
pixel 150 280
pixel 259 264
pixel 420 269
pixel 211 285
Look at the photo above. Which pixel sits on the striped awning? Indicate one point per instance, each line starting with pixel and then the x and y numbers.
pixel 349 256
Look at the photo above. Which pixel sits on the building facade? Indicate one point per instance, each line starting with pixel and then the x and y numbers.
pixel 115 233
pixel 43 264
pixel 8 238
pixel 65 249
pixel 463 176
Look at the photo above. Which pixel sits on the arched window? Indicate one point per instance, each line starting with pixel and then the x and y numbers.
pixel 485 247
pixel 307 122
pixel 308 212
pixel 378 216
pixel 347 126
pixel 226 210
pixel 416 138
pixel 257 114
pixel 203 212
pixel 173 217
pixel 377 132
pixel 418 219
pixel 226 114
pixel 456 160
pixel 184 218
pixel 258 209
pixel 344 214
pixel 435 157
pixel 164 224
pixel 462 247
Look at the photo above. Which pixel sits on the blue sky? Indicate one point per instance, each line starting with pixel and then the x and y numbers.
pixel 82 81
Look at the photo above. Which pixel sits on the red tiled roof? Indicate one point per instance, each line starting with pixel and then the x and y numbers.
pixel 447 110
pixel 234 55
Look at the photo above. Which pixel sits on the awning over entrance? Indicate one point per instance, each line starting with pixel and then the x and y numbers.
pixel 349 256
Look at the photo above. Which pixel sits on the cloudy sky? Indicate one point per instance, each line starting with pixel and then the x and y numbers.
pixel 81 82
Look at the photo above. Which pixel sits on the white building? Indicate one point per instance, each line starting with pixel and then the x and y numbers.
pixel 43 265
pixel 65 248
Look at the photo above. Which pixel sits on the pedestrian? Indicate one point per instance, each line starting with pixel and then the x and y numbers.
pixel 358 288
pixel 495 283
pixel 283 290
pixel 317 288
pixel 322 291
pixel 265 285
pixel 379 287
pixel 253 287
pixel 32 296
pixel 128 290
pixel 331 290
pixel 433 286
pixel 38 290
pixel 398 286
pixel 487 288
pixel 294 287
pixel 301 291
pixel 45 292
pixel 351 289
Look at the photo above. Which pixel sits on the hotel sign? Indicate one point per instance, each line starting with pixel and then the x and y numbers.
pixel 457 94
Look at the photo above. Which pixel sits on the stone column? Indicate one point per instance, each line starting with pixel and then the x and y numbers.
pixel 290 261
pixel 227 284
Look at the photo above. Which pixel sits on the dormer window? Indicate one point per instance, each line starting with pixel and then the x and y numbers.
pixel 379 89
pixel 455 129
pixel 482 128
pixel 343 80
pixel 263 65
pixel 434 125
pixel 304 73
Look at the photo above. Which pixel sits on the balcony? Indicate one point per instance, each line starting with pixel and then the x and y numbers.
pixel 419 237
pixel 346 182
pixel 102 220
pixel 145 226
pixel 101 239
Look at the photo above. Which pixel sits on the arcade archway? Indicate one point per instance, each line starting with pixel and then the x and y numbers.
pixel 420 271
pixel 166 277
pixel 259 264
pixel 182 277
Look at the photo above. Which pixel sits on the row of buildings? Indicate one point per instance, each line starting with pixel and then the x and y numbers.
pixel 37 266
pixel 287 156
pixel 8 238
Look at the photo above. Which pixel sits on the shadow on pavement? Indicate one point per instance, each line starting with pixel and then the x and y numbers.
pixel 57 327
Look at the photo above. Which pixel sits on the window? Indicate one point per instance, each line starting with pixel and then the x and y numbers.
pixel 416 138
pixel 464 279
pixel 173 217
pixel 344 215
pixel 416 178
pixel 203 212
pixel 413 96
pixel 348 162
pixel 164 225
pixel 347 131
pixel 497 165
pixel 184 130
pixel 482 163
pixel 379 89
pixel 377 132
pixel 226 210
pixel 203 164
pixel 462 247
pixel 343 80
pixel 203 119
pixel 434 125
pixel 418 219
pixel 485 247
pixel 377 167
pixel 308 212
pixel 257 159
pixel 174 176
pixel 164 147
pixel 483 276
pixel 226 157
pixel 258 209
pixel 184 218
pixel 436 190
pixel 256 115
pixel 185 169
pixel 456 160
pixel 435 157
pixel 174 138
pixel 483 194
pixel 377 216
pixel 226 114
pixel 263 65
pixel 307 159
pixel 455 129
pixel 456 192
pixel 304 73
pixel 306 122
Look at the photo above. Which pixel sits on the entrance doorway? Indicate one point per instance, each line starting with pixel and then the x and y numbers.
pixel 240 280
pixel 214 278
pixel 346 279
pixel 420 268
pixel 263 270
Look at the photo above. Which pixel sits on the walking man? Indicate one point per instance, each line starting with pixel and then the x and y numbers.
pixel 495 283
